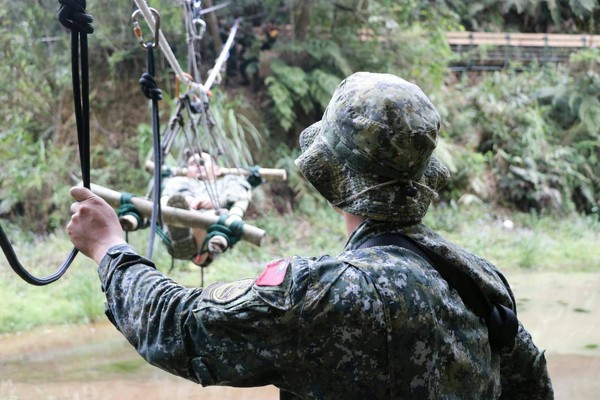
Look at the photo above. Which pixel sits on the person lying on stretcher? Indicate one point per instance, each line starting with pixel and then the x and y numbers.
pixel 206 189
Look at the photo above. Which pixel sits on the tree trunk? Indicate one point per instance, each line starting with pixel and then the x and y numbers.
pixel 302 23
pixel 213 25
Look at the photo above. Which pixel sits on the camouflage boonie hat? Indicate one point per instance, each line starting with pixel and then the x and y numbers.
pixel 371 154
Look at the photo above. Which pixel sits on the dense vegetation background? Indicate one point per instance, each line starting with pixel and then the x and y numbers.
pixel 522 141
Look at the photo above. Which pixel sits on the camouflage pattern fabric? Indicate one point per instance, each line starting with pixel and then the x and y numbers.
pixel 228 189
pixel 372 323
pixel 371 154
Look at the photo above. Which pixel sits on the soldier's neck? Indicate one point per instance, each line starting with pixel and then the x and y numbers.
pixel 352 222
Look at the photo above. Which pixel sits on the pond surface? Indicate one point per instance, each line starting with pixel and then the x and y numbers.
pixel 562 312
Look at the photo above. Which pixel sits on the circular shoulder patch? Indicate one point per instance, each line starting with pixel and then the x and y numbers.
pixel 224 292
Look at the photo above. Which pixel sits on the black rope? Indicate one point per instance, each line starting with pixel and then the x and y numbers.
pixel 72 16
pixel 152 92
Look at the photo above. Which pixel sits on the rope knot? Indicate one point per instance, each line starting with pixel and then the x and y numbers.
pixel 71 15
pixel 232 232
pixel 254 178
pixel 128 209
pixel 150 87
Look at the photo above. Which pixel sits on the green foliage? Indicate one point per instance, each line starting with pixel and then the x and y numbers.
pixel 232 130
pixel 74 299
pixel 405 38
pixel 329 54
pixel 528 140
pixel 539 132
pixel 564 16
pixel 34 183
pixel 282 102
pixel 292 88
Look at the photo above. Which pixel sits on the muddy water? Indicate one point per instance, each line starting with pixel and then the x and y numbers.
pixel 562 311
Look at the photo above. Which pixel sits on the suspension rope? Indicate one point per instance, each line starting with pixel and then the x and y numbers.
pixel 152 92
pixel 192 113
pixel 71 15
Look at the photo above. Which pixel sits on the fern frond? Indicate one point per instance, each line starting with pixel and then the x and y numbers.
pixel 282 102
pixel 322 85
pixel 328 52
pixel 293 78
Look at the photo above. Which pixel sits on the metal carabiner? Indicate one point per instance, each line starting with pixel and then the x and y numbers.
pixel 137 30
pixel 200 27
pixel 197 21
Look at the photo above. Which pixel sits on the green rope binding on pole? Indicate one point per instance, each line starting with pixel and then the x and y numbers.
pixel 165 238
pixel 231 233
pixel 128 208
pixel 167 172
pixel 254 179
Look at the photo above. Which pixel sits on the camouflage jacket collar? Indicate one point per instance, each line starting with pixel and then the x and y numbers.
pixel 482 271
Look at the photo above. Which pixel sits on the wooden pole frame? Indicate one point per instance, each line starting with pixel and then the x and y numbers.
pixel 177 216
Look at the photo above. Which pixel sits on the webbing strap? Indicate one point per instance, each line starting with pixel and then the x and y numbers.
pixel 501 321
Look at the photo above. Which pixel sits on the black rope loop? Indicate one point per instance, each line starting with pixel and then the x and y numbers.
pixel 71 15
pixel 147 81
pixel 152 92
pixel 150 87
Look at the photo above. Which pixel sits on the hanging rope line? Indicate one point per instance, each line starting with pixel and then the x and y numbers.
pixel 72 16
pixel 194 102
pixel 152 92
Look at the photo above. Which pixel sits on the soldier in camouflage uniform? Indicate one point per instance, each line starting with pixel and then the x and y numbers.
pixel 375 322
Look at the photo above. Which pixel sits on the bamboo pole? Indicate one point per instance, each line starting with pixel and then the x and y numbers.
pixel 177 216
pixel 267 173
pixel 523 39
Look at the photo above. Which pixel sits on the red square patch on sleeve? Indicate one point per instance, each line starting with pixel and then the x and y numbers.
pixel 274 274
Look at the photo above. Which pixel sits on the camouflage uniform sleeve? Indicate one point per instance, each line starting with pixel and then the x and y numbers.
pixel 523 371
pixel 236 334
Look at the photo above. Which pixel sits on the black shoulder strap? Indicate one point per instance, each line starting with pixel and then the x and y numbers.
pixel 501 321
